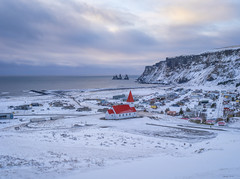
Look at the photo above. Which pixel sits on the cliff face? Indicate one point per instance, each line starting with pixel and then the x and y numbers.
pixel 219 67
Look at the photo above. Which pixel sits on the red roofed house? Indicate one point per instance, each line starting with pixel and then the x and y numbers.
pixel 171 113
pixel 122 111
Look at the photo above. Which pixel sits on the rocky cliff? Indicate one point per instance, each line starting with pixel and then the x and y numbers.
pixel 216 67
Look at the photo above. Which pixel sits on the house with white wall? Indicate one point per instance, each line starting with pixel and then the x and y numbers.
pixel 122 111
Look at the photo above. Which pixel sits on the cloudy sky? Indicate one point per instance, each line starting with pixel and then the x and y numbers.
pixel 104 37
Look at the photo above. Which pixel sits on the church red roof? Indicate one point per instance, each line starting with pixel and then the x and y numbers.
pixel 110 111
pixel 123 109
pixel 130 97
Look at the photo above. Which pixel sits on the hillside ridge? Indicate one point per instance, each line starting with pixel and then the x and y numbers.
pixel 218 67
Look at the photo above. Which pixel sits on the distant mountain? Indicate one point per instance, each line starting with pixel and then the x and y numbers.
pixel 221 66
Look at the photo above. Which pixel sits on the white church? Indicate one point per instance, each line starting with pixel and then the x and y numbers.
pixel 122 111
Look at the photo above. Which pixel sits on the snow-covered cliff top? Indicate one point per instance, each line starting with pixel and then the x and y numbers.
pixel 221 66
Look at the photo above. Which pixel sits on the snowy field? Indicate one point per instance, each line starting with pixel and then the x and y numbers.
pixel 66 143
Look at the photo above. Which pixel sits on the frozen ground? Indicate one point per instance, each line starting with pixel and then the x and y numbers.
pixel 80 145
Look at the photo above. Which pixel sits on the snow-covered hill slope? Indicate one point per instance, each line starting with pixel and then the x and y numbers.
pixel 216 67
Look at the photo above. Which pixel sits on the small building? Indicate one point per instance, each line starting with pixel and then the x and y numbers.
pixel 36 104
pixel 171 113
pixel 119 96
pixel 205 101
pixel 211 121
pixel 6 115
pixel 175 105
pixel 230 96
pixel 213 95
pixel 104 103
pixel 38 120
pixel 196 96
pixel 196 120
pixel 179 90
pixel 222 123
pixel 161 97
pixel 154 107
pixel 197 91
pixel 22 107
pixel 68 107
pixel 237 114
pixel 104 110
pixel 84 109
pixel 56 104
pixel 171 96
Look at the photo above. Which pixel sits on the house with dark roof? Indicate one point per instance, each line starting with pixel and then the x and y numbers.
pixel 6 115
pixel 122 111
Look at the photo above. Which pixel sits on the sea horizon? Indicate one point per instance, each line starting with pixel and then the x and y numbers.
pixel 20 85
pixel 35 75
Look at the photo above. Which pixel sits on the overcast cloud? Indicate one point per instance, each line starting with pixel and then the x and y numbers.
pixel 109 36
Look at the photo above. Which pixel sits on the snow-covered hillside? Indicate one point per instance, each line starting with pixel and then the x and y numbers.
pixel 216 67
pixel 55 139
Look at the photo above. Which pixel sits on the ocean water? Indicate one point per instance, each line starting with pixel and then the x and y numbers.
pixel 17 85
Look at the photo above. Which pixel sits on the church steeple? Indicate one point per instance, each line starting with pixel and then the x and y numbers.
pixel 130 99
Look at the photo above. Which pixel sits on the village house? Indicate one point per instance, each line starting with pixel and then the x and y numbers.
pixel 161 97
pixel 56 104
pixel 36 104
pixel 22 107
pixel 237 114
pixel 172 113
pixel 104 103
pixel 175 105
pixel 119 96
pixel 212 95
pixel 196 96
pixel 197 91
pixel 211 121
pixel 172 96
pixel 204 101
pixel 122 111
pixel 196 120
pixel 194 112
pixel 179 90
pixel 70 106
pixel 152 101
pixel 154 106
pixel 230 96
pixel 104 110
pixel 6 115
pixel 221 123
pixel 83 109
